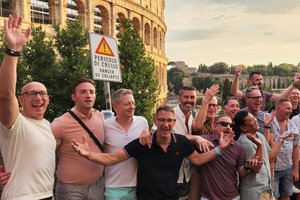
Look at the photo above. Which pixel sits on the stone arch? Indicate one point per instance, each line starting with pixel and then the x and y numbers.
pixel 101 20
pixel 147 34
pixel 119 27
pixel 40 11
pixel 137 25
pixel 75 10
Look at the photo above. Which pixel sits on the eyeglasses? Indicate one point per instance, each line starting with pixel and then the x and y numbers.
pixel 32 94
pixel 255 98
pixel 225 124
pixel 163 120
pixel 213 105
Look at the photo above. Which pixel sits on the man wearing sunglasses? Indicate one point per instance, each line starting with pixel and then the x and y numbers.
pixel 26 141
pixel 219 176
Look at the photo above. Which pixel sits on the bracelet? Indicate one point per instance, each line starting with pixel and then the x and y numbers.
pixel 267 127
pixel 12 52
pixel 216 149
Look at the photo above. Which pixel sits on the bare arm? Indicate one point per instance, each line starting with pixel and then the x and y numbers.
pixel 295 173
pixel 100 158
pixel 201 116
pixel 203 144
pixel 285 93
pixel 200 159
pixel 235 91
pixel 8 71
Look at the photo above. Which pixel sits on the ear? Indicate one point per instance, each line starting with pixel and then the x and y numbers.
pixel 243 128
pixel 73 97
pixel 21 100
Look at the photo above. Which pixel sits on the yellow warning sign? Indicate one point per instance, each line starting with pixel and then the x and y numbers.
pixel 104 49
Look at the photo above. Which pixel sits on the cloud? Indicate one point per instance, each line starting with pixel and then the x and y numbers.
pixel 192 34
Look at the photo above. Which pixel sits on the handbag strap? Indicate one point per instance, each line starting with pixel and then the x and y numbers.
pixel 91 134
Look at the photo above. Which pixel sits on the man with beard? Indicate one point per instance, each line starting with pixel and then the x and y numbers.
pixel 256 79
pixel 78 178
pixel 159 165
pixel 287 162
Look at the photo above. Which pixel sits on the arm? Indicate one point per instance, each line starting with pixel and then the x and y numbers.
pixel 100 158
pixel 203 144
pixel 15 40
pixel 235 83
pixel 258 154
pixel 295 173
pixel 201 116
pixel 285 93
pixel 200 159
pixel 275 148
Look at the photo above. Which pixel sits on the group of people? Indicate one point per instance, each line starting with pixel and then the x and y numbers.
pixel 239 154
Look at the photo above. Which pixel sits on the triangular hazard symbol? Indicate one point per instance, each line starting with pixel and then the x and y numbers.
pixel 104 49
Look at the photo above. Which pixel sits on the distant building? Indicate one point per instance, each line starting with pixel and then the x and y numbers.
pixel 187 70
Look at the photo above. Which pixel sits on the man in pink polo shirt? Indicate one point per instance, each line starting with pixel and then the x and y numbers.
pixel 78 178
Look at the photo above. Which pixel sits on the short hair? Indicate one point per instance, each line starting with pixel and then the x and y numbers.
pixel 227 101
pixel 252 74
pixel 281 101
pixel 116 96
pixel 186 87
pixel 216 119
pixel 164 108
pixel 250 89
pixel 79 81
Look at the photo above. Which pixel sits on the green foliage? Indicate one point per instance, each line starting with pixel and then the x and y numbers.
pixel 226 90
pixel 219 68
pixel 138 71
pixel 175 79
pixel 202 68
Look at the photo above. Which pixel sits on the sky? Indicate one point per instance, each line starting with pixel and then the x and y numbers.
pixel 246 32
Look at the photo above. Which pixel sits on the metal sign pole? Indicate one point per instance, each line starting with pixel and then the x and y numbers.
pixel 107 95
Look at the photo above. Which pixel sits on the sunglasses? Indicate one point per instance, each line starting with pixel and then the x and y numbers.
pixel 225 124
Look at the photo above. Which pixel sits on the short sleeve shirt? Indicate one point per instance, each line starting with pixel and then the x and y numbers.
pixel 158 170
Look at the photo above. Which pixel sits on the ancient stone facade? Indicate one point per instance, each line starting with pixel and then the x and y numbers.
pixel 102 16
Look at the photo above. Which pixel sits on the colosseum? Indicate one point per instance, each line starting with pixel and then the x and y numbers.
pixel 103 17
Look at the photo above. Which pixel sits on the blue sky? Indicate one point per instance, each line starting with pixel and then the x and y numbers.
pixel 233 31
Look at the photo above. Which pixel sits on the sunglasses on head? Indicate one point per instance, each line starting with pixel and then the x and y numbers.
pixel 225 124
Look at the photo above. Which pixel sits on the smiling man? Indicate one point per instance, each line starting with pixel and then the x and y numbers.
pixel 74 173
pixel 158 166
pixel 26 141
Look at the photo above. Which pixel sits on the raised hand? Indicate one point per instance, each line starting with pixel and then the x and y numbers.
pixel 203 144
pixel 225 139
pixel 13 35
pixel 82 149
pixel 268 118
pixel 254 139
pixel 211 92
pixel 238 70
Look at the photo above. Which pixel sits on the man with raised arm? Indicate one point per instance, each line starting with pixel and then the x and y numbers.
pixel 26 141
pixel 158 166
pixel 256 79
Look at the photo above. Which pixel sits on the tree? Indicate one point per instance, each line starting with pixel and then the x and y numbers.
pixel 202 68
pixel 175 78
pixel 226 90
pixel 138 71
pixel 219 68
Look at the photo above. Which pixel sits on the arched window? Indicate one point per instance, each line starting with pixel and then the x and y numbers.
pixel 119 27
pixel 97 21
pixel 101 20
pixel 136 25
pixel 72 10
pixel 147 34
pixel 5 8
pixel 40 12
